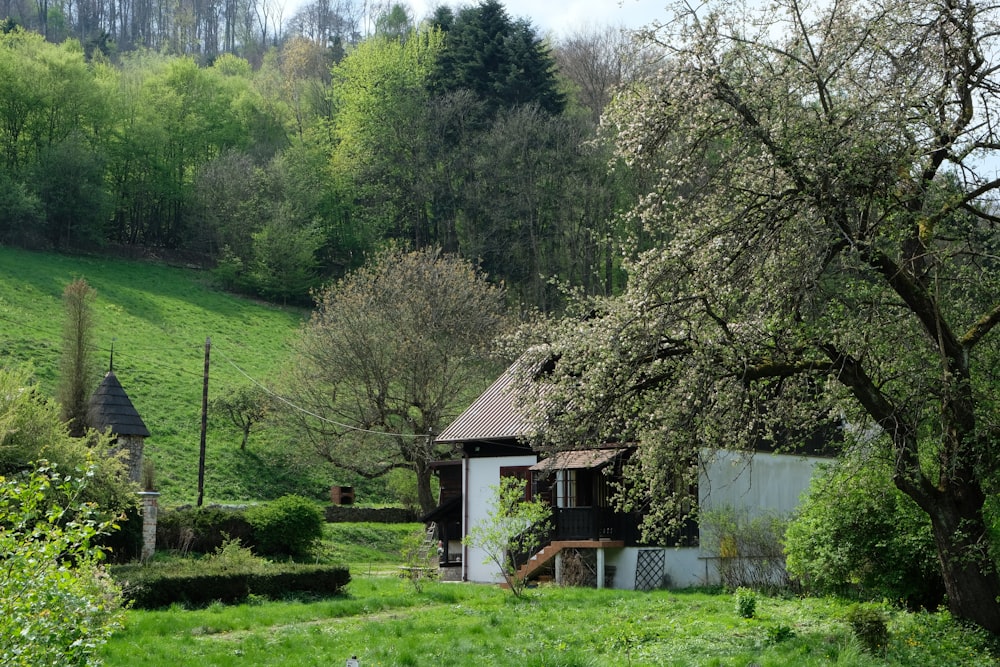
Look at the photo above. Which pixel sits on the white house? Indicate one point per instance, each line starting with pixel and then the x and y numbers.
pixel 576 485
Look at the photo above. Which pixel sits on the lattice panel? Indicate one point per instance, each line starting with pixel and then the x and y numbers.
pixel 649 569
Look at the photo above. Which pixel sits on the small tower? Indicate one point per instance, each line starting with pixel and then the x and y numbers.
pixel 111 410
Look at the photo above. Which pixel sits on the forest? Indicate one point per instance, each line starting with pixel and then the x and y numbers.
pixel 280 153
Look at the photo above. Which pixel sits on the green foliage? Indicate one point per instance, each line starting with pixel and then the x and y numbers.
pixel 513 525
pixel 420 560
pixel 57 606
pixel 746 602
pixel 201 529
pixel 21 215
pixel 855 533
pixel 870 625
pixel 502 60
pixel 749 546
pixel 290 525
pixel 231 576
pixel 31 430
pixel 401 484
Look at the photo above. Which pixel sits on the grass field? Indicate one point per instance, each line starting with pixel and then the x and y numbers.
pixel 386 623
pixel 158 319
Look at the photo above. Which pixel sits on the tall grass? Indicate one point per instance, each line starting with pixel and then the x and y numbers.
pixel 386 623
pixel 158 319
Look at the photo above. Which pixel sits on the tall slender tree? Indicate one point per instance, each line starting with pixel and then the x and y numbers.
pixel 77 369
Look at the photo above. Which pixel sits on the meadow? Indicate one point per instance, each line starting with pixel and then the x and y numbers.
pixel 158 318
pixel 385 622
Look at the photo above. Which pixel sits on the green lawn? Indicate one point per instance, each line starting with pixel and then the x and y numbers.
pixel 386 623
pixel 158 318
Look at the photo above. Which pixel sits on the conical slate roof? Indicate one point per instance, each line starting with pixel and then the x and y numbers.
pixel 110 408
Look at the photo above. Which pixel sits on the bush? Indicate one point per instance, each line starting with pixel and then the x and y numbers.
pixel 746 602
pixel 870 626
pixel 198 583
pixel 201 529
pixel 289 526
pixel 856 534
pixel 749 548
pixel 57 606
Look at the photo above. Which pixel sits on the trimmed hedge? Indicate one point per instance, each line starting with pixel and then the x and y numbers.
pixel 154 587
pixel 201 529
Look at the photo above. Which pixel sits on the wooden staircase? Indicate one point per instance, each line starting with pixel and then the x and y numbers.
pixel 550 551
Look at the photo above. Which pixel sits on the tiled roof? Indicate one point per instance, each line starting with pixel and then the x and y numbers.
pixel 577 459
pixel 110 408
pixel 493 415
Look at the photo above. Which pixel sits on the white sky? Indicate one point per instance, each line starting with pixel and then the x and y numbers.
pixel 565 16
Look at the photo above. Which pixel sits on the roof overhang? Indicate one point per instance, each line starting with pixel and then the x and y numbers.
pixel 578 459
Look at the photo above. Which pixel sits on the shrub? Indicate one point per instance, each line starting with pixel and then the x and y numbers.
pixel 202 582
pixel 746 602
pixel 855 533
pixel 870 626
pixel 749 548
pixel 57 606
pixel 201 529
pixel 290 525
pixel 124 544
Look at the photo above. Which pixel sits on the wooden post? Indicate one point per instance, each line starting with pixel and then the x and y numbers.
pixel 204 426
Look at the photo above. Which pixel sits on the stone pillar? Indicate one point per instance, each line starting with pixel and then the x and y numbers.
pixel 149 509
pixel 600 567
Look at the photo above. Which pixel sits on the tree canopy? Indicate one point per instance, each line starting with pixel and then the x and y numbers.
pixel 501 60
pixel 392 353
pixel 820 248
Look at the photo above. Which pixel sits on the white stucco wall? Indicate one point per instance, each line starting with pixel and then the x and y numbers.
pixel 481 474
pixel 682 565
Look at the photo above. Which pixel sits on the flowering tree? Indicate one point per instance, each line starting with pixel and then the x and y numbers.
pixel 821 246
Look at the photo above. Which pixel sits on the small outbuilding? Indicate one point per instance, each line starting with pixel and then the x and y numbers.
pixel 112 411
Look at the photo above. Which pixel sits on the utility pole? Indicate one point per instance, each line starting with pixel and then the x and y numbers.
pixel 204 426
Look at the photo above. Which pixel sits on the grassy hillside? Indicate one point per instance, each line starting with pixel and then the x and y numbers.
pixel 158 318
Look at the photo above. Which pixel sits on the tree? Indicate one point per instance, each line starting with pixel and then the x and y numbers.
pixel 501 60
pixel 77 377
pixel 381 109
pixel 598 63
pixel 390 355
pixel 245 406
pixel 512 526
pixel 824 240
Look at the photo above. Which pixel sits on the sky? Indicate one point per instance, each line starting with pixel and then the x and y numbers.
pixel 561 17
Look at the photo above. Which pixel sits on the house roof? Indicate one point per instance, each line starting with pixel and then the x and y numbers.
pixel 577 459
pixel 111 409
pixel 492 416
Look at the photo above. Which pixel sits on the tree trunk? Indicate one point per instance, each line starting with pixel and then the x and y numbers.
pixel 425 494
pixel 970 575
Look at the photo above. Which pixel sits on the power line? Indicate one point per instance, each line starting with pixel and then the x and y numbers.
pixel 299 408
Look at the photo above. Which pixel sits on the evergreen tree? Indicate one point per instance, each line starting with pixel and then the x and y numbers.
pixel 502 61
